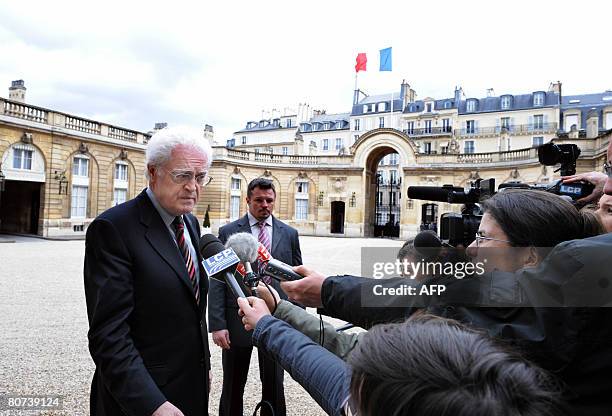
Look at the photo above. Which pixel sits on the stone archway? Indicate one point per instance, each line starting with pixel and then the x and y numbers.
pixel 368 151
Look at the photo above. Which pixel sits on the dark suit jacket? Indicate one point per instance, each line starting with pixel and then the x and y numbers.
pixel 222 306
pixel 147 335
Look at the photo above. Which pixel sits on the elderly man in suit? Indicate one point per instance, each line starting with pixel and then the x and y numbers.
pixel 227 329
pixel 146 293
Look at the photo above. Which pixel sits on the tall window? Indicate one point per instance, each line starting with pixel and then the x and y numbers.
pixel 119 196
pixel 325 144
pixel 120 183
pixel 537 141
pixel 357 124
pixel 244 140
pixel 78 207
pixel 470 127
pixel 285 150
pixel 410 127
pixel 80 167
pixel 468 146
pixel 234 207
pixel 446 125
pixel 381 122
pixel 428 126
pixel 393 176
pixel 538 122
pixel 339 143
pixel 288 122
pixel 427 147
pixel 235 184
pixel 22 159
pixel 393 158
pixel 121 172
pixel 301 201
pixel 471 106
pixel 505 123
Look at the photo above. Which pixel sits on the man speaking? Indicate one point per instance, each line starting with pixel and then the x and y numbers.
pixel 146 293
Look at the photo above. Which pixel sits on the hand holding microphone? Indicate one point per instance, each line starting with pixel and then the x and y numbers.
pixel 252 309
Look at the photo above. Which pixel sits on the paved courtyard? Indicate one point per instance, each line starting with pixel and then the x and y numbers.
pixel 43 325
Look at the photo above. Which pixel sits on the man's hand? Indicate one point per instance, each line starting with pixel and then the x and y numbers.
pixel 268 294
pixel 306 291
pixel 596 178
pixel 167 409
pixel 252 310
pixel 221 338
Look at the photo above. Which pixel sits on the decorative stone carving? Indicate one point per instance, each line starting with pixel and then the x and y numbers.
pixel 123 154
pixel 474 175
pixel 236 171
pixel 267 173
pixel 83 148
pixel 514 174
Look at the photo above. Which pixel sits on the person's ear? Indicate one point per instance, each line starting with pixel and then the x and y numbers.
pixel 532 257
pixel 151 170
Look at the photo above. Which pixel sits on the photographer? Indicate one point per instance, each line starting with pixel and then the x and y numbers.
pixel 426 366
pixel 575 343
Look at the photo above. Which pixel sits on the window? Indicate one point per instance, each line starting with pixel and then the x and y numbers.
pixel 285 150
pixel 393 159
pixel 234 207
pixel 410 127
pixel 301 209
pixel 446 128
pixel 339 143
pixel 22 159
pixel 244 140
pixel 427 147
pixel 325 144
pixel 393 176
pixel 120 196
pixel 235 184
pixel 382 106
pixel 381 122
pixel 537 141
pixel 276 122
pixel 505 123
pixel 357 124
pixel 471 105
pixel 428 107
pixel 121 172
pixel 355 138
pixel 288 122
pixel 326 126
pixel 80 166
pixel 427 126
pixel 538 99
pixel 538 122
pixel 78 208
pixel 608 121
pixel 392 200
pixel 302 187
pixel 505 102
pixel 468 146
pixel 571 120
pixel 470 127
pixel 447 104
pixel 365 108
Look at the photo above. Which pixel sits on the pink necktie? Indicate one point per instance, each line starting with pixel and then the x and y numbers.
pixel 264 238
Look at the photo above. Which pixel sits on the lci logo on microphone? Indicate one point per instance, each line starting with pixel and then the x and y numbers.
pixel 220 261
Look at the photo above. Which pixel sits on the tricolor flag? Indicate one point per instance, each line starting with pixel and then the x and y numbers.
pixel 362 60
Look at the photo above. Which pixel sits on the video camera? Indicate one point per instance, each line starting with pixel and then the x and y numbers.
pixel 460 228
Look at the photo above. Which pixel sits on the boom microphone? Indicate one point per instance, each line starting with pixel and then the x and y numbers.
pixel 433 193
pixel 220 263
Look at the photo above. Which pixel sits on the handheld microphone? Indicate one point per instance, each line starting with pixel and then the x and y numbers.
pixel 219 262
pixel 245 246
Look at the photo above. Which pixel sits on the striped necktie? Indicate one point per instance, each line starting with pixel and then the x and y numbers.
pixel 264 238
pixel 179 227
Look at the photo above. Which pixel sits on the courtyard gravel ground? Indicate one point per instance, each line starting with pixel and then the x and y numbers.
pixel 43 322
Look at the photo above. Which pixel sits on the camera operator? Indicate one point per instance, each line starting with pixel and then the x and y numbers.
pixel 575 343
pixel 426 366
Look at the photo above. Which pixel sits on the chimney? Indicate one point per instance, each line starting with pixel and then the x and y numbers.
pixel 592 124
pixel 17 91
pixel 404 93
pixel 490 92
pixel 159 126
pixel 458 95
pixel 555 87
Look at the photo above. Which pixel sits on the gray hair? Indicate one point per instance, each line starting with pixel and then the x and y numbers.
pixel 159 148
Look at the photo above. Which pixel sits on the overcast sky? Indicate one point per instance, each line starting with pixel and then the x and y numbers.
pixel 223 63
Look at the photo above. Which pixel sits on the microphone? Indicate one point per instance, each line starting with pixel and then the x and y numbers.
pixel 219 262
pixel 245 246
pixel 276 269
pixel 428 244
pixel 433 193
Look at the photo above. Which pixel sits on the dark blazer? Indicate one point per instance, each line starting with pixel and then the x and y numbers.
pixel 147 335
pixel 222 306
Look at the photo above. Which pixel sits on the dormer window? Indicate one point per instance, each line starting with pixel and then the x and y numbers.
pixel 365 108
pixel 471 105
pixel 340 124
pixel 506 101
pixel 276 122
pixel 412 108
pixel 382 106
pixel 428 107
pixel 261 123
pixel 538 99
pixel 447 104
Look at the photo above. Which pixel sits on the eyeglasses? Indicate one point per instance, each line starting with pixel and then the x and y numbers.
pixel 182 177
pixel 607 169
pixel 479 238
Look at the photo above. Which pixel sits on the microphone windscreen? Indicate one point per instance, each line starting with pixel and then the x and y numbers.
pixel 427 243
pixel 245 246
pixel 210 245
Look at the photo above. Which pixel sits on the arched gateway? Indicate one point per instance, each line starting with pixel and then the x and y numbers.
pixel 368 151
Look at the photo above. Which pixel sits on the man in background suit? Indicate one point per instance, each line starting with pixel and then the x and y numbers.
pixel 225 324
pixel 146 293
